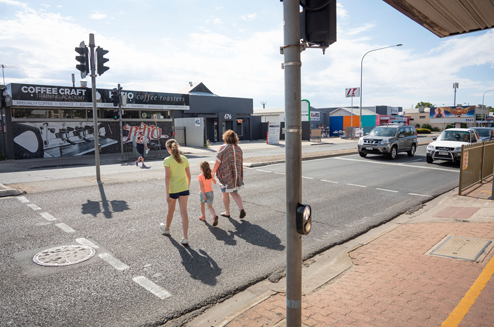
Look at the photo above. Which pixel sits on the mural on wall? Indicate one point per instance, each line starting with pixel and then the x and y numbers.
pixel 62 139
pixel 452 112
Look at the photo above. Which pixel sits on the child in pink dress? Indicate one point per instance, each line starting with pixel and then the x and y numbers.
pixel 206 191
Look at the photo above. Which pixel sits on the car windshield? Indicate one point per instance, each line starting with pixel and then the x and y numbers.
pixel 458 136
pixel 383 131
pixel 484 132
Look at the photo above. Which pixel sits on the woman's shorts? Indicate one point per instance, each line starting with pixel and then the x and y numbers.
pixel 140 149
pixel 176 195
pixel 209 195
pixel 223 189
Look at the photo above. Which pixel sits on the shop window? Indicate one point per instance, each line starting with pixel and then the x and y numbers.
pixel 240 127
pixel 29 113
pixel 130 114
pixel 53 113
pixel 148 114
pixel 72 113
pixel 422 117
pixel 90 114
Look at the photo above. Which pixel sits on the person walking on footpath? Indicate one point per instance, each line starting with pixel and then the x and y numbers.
pixel 229 168
pixel 177 182
pixel 206 194
pixel 140 145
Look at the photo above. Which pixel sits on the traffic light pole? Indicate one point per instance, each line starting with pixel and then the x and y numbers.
pixel 120 116
pixel 95 110
pixel 293 152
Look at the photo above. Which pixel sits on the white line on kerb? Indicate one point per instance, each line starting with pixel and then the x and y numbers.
pixel 33 206
pixel 152 287
pixel 356 185
pixel 22 199
pixel 117 264
pixel 323 180
pixel 307 177
pixel 425 195
pixel 65 228
pixel 386 190
pixel 86 242
pixel 47 216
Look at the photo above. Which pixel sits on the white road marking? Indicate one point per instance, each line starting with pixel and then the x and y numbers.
pixel 356 185
pixel 265 171
pixel 47 216
pixel 392 164
pixel 386 190
pixel 279 173
pixel 22 199
pixel 323 180
pixel 152 287
pixel 33 206
pixel 425 195
pixel 65 228
pixel 83 241
pixel 117 264
pixel 307 177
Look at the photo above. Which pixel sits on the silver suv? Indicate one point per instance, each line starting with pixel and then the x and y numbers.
pixel 389 140
pixel 448 145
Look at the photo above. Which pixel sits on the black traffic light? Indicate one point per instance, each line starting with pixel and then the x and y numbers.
pixel 115 114
pixel 318 23
pixel 83 59
pixel 101 68
pixel 304 219
pixel 115 97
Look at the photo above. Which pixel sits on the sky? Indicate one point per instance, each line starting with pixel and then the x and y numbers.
pixel 233 47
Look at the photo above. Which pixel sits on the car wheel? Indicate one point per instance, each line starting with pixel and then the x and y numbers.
pixel 429 159
pixel 363 154
pixel 411 153
pixel 394 152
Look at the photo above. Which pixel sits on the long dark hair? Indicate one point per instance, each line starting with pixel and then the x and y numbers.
pixel 206 169
pixel 173 146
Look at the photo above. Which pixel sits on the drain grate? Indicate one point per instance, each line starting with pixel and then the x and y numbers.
pixel 461 248
pixel 64 255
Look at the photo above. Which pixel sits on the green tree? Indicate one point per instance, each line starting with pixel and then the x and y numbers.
pixel 424 104
pixel 490 108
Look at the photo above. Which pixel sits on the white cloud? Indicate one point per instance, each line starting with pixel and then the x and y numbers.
pixel 360 29
pixel 214 21
pixel 249 17
pixel 97 15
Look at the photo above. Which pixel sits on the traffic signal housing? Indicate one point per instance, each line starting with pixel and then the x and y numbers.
pixel 115 97
pixel 304 219
pixel 318 23
pixel 83 59
pixel 116 114
pixel 101 68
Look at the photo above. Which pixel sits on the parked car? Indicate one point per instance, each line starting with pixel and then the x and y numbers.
pixel 389 140
pixel 448 145
pixel 485 133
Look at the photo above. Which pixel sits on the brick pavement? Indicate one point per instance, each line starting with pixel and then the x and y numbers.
pixel 394 283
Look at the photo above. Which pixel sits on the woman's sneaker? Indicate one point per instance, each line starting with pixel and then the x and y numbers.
pixel 137 164
pixel 185 241
pixel 163 228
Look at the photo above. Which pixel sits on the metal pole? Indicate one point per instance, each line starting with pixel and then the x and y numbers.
pixel 351 108
pixel 121 125
pixel 361 69
pixel 95 110
pixel 483 117
pixel 293 152
pixel 73 80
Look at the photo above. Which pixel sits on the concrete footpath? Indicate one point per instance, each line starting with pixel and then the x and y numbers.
pixel 432 267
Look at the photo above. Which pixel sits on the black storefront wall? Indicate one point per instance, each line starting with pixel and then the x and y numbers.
pixel 35 138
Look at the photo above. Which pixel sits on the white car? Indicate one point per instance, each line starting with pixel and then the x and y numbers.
pixel 448 144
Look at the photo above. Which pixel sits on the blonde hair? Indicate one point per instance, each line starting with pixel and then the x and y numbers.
pixel 230 137
pixel 206 169
pixel 173 146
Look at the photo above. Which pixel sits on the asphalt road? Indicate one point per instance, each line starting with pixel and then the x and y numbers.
pixel 140 277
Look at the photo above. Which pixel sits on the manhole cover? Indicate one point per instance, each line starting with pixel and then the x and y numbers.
pixel 63 255
pixel 461 248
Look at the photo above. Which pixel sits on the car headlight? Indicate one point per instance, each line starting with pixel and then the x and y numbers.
pixel 361 141
pixel 458 149
pixel 430 147
pixel 385 141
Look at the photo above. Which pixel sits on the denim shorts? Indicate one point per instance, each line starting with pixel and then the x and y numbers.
pixel 176 195
pixel 209 195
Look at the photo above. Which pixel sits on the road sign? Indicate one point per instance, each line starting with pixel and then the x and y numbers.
pixel 353 92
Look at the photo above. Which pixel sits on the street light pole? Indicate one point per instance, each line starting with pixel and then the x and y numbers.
pixel 361 69
pixel 483 117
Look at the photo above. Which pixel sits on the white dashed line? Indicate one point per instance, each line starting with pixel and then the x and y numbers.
pixel 323 180
pixel 392 164
pixel 117 264
pixel 307 177
pixel 386 190
pixel 356 185
pixel 264 171
pixel 65 228
pixel 22 199
pixel 424 195
pixel 33 206
pixel 86 242
pixel 279 173
pixel 152 287
pixel 47 216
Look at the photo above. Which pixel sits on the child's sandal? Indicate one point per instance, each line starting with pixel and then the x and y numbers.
pixel 202 218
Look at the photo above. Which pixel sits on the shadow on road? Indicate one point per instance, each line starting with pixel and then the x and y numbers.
pixel 96 207
pixel 221 235
pixel 256 235
pixel 199 265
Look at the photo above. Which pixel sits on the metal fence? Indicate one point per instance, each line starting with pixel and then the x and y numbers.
pixel 477 164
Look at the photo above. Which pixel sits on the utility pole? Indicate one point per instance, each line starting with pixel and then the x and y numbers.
pixel 95 110
pixel 293 152
pixel 120 116
pixel 455 86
